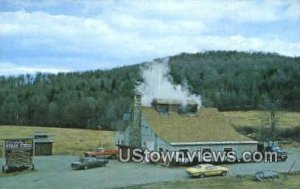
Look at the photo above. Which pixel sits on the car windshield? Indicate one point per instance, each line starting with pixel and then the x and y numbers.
pixel 277 149
pixel 84 159
pixel 210 167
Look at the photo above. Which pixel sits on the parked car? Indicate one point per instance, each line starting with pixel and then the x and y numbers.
pixel 281 155
pixel 89 162
pixel 103 153
pixel 203 170
pixel 272 147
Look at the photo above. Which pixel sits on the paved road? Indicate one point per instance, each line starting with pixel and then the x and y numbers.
pixel 251 168
pixel 55 172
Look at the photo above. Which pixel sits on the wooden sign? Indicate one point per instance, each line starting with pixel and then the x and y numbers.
pixel 18 153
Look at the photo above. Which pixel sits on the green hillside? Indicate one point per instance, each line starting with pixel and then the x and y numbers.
pixel 238 80
pixel 97 99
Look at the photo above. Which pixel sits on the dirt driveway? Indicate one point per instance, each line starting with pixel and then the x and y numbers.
pixel 55 172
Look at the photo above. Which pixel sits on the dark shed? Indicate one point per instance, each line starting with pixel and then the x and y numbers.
pixel 43 143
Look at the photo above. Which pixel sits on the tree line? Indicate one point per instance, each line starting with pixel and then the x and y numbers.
pixel 93 99
pixel 228 80
pixel 240 80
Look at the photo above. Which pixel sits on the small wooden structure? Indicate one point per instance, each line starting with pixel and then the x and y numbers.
pixel 43 144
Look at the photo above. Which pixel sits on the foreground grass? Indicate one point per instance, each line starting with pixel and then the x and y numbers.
pixel 292 182
pixel 67 141
pixel 256 118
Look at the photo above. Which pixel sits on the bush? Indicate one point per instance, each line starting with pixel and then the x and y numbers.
pixel 289 133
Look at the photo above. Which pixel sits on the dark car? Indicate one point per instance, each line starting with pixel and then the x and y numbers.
pixel 89 162
pixel 281 155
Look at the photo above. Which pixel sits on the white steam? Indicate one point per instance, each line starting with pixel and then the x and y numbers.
pixel 158 84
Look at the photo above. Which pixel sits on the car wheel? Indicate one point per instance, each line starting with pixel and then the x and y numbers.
pixel 113 156
pixel 85 167
pixel 4 169
pixel 201 175
pixel 168 164
pixel 224 173
pixel 284 159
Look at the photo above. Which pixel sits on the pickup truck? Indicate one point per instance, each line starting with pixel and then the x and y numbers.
pixel 281 155
pixel 273 147
pixel 103 153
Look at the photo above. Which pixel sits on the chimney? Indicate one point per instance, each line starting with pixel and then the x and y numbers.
pixel 135 125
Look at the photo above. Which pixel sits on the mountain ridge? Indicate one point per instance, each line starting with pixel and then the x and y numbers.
pixel 227 80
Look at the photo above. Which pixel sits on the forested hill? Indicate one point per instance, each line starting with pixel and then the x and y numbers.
pixel 238 80
pixel 97 99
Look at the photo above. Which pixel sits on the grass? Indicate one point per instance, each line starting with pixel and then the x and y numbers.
pixel 256 118
pixel 76 141
pixel 293 181
pixel 67 141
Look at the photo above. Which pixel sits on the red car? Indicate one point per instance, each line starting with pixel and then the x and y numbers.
pixel 103 153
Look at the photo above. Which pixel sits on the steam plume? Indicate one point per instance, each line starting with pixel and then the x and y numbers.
pixel 158 84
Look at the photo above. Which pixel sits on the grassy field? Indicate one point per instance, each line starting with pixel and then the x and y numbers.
pixel 256 118
pixel 76 141
pixel 292 182
pixel 67 141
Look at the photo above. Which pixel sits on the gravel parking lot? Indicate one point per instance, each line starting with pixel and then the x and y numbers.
pixel 55 172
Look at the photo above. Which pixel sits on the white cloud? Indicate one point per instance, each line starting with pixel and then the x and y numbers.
pixel 135 31
pixel 249 44
pixel 7 69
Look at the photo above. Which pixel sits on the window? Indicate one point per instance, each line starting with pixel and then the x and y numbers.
pixel 189 109
pixel 206 150
pixel 163 108
pixel 184 152
pixel 228 150
pixel 210 168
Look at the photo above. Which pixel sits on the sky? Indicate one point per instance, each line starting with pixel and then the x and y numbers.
pixel 77 35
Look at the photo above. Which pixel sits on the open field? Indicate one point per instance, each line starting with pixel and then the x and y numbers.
pixel 67 141
pixel 76 141
pixel 256 118
pixel 288 122
pixel 292 181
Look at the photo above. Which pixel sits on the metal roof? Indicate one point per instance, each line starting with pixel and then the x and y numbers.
pixel 42 138
pixel 47 140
